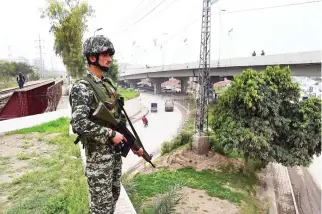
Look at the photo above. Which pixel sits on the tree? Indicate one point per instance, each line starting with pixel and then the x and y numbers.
pixel 261 116
pixel 23 68
pixel 6 69
pixel 35 75
pixel 10 70
pixel 68 24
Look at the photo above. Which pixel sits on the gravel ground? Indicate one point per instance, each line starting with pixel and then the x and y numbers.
pixel 283 190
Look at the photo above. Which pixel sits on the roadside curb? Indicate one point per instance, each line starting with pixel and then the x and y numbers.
pixel 292 191
pixel 145 111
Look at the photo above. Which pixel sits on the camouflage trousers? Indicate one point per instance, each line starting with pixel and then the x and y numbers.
pixel 103 171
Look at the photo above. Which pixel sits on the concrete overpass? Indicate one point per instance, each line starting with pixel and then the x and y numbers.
pixel 301 64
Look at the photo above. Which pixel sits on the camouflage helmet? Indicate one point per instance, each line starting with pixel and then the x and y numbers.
pixel 97 44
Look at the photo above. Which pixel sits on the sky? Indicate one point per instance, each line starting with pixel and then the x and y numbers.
pixel 171 32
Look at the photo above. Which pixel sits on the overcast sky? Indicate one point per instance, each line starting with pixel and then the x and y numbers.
pixel 176 26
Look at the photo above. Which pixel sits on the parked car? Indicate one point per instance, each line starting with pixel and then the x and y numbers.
pixel 169 105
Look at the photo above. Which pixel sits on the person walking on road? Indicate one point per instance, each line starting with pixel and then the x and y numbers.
pixel 103 162
pixel 145 120
pixel 20 80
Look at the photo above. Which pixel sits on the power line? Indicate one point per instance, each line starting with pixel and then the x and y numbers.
pixel 133 14
pixel 229 12
pixel 41 57
pixel 145 15
pixel 138 6
pixel 239 11
pixel 9 53
pixel 167 7
pixel 271 7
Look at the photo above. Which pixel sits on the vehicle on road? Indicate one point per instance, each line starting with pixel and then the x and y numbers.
pixel 154 107
pixel 169 105
pixel 141 90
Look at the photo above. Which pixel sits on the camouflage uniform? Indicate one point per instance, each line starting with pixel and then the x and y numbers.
pixel 103 164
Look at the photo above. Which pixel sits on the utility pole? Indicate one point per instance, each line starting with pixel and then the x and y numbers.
pixel 9 53
pixel 42 66
pixel 52 67
pixel 200 141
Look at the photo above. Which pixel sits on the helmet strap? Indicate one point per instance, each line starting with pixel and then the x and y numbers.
pixel 103 68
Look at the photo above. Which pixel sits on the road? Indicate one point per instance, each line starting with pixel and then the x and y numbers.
pixel 316 170
pixel 306 191
pixel 162 126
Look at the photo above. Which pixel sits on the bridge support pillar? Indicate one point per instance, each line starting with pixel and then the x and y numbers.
pixel 184 84
pixel 157 84
pixel 132 83
pixel 193 84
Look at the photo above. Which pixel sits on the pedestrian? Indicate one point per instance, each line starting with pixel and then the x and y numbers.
pixel 144 120
pixel 21 80
pixel 263 53
pixel 103 162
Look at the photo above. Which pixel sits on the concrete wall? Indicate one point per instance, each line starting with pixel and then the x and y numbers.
pixel 131 106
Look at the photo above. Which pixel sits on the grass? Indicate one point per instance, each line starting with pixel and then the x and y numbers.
pixel 27 144
pixel 9 83
pixel 23 156
pixel 183 138
pixel 128 94
pixel 4 160
pixel 234 187
pixel 58 184
pixel 4 163
pixel 167 202
pixel 60 125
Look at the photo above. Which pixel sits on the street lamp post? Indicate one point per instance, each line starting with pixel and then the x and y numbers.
pixel 230 43
pixel 97 30
pixel 220 26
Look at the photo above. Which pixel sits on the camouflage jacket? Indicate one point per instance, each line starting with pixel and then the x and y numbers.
pixel 82 99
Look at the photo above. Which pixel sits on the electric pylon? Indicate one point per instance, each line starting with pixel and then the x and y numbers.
pixel 201 124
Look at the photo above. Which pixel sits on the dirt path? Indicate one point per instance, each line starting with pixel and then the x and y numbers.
pixel 199 202
pixel 17 153
pixel 307 192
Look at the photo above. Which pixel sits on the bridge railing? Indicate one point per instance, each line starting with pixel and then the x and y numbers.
pixel 309 57
pixel 54 94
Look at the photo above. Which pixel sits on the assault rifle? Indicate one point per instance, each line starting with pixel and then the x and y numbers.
pixel 102 113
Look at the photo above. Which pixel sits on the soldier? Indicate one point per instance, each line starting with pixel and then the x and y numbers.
pixel 103 162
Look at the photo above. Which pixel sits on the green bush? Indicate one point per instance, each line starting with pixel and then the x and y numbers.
pixel 181 139
pixel 166 147
pixel 219 148
pixel 216 146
